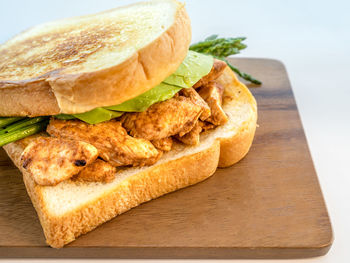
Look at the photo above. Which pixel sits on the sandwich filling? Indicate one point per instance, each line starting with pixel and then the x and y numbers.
pixel 93 146
pixel 191 70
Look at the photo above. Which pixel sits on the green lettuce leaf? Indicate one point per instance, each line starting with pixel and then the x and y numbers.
pixel 192 69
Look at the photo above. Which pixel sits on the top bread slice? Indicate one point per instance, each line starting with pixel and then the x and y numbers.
pixel 71 208
pixel 75 65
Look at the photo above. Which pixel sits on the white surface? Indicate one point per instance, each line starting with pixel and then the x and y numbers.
pixel 312 38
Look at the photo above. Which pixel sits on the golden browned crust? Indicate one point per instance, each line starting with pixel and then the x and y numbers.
pixel 180 172
pixel 60 92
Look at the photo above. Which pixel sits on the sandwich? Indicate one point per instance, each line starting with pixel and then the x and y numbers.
pixel 104 112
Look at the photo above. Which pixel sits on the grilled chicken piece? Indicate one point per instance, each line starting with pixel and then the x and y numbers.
pixel 215 72
pixel 192 137
pixel 98 171
pixel 110 138
pixel 176 115
pixel 196 99
pixel 53 160
pixel 212 94
pixel 206 125
pixel 163 144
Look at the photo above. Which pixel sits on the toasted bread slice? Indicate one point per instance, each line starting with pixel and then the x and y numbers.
pixel 78 64
pixel 72 208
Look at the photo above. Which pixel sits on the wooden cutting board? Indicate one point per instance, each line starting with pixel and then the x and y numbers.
pixel 269 205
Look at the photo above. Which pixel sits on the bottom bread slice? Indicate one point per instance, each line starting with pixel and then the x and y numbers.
pixel 72 208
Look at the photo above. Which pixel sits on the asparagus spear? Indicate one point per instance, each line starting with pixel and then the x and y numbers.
pixel 243 75
pixel 4 121
pixel 22 132
pixel 20 124
pixel 221 48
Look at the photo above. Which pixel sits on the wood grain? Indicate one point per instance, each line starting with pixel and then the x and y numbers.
pixel 269 205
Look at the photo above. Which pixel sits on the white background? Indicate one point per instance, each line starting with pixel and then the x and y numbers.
pixel 312 38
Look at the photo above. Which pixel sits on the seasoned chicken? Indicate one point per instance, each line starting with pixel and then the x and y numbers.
pixel 110 138
pixel 196 99
pixel 98 171
pixel 176 115
pixel 52 160
pixel 212 94
pixel 192 137
pixel 216 71
pixel 163 144
pixel 206 125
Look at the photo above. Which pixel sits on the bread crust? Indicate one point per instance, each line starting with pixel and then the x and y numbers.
pixel 233 149
pixel 221 152
pixel 56 92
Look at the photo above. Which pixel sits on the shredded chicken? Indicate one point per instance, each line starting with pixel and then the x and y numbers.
pixel 163 144
pixel 176 115
pixel 212 94
pixel 98 171
pixel 196 99
pixel 216 71
pixel 192 137
pixel 53 160
pixel 110 138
